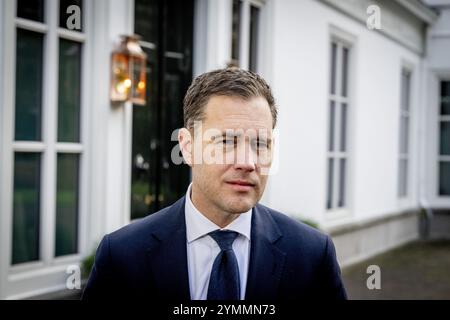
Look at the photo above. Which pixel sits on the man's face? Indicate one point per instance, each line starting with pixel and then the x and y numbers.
pixel 236 145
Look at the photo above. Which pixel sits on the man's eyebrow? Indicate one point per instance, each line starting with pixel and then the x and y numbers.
pixel 232 135
pixel 225 134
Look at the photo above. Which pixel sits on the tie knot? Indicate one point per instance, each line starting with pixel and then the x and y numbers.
pixel 224 238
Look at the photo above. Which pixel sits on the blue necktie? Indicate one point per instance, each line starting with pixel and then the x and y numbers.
pixel 224 280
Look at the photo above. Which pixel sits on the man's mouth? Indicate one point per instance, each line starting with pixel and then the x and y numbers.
pixel 241 185
pixel 241 182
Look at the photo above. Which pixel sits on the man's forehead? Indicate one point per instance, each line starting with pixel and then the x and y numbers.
pixel 236 107
pixel 239 120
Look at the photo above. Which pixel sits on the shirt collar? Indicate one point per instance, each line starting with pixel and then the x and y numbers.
pixel 198 225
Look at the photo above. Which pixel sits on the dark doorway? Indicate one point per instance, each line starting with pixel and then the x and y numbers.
pixel 166 28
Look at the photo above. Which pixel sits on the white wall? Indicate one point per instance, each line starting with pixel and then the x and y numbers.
pixel 212 35
pixel 2 19
pixel 301 40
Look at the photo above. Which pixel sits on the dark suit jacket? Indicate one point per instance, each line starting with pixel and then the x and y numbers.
pixel 148 259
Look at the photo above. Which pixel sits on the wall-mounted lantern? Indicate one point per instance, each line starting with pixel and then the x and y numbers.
pixel 128 78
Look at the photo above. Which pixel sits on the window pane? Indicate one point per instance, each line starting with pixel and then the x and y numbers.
pixel 404 134
pixel 333 68
pixel 66 240
pixel 331 126
pixel 444 179
pixel 31 9
pixel 403 178
pixel 330 184
pixel 343 145
pixel 26 207
pixel 445 138
pixel 342 182
pixel 445 97
pixel 69 91
pixel 405 90
pixel 70 20
pixel 344 71
pixel 236 35
pixel 146 20
pixel 29 72
pixel 254 23
pixel 179 15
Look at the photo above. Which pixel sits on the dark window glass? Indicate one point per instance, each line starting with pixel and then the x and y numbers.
pixel 254 27
pixel 445 98
pixel 177 17
pixel 403 177
pixel 445 138
pixel 330 183
pixel 404 134
pixel 143 173
pixel 66 234
pixel 333 68
pixel 343 146
pixel 156 181
pixel 31 9
pixel 342 177
pixel 26 207
pixel 69 19
pixel 236 34
pixel 444 178
pixel 344 71
pixel 146 19
pixel 405 90
pixel 69 93
pixel 29 65
pixel 331 126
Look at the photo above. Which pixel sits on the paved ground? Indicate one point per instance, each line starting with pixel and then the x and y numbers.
pixel 418 270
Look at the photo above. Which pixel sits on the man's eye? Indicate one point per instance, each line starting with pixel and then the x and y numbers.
pixel 260 144
pixel 227 142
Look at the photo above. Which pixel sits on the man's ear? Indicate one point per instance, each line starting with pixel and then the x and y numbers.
pixel 185 140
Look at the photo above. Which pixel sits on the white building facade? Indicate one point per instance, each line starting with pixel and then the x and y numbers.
pixel 364 129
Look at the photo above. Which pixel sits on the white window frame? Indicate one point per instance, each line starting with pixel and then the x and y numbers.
pixel 48 146
pixel 430 143
pixel 440 158
pixel 347 40
pixel 408 68
pixel 244 31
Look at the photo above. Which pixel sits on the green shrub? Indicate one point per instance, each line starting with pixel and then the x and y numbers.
pixel 87 264
pixel 310 223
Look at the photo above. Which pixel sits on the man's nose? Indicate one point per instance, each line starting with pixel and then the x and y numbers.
pixel 245 157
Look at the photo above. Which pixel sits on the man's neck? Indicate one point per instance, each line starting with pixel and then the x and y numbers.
pixel 209 210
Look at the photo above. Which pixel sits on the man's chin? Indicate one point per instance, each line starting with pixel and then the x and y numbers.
pixel 240 206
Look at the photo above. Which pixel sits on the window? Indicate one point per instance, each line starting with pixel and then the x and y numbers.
pixel 26 204
pixel 444 140
pixel 236 31
pixel 47 131
pixel 338 104
pixel 166 28
pixel 245 33
pixel 405 110
pixel 254 28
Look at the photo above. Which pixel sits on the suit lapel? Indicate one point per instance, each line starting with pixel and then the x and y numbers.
pixel 266 260
pixel 168 258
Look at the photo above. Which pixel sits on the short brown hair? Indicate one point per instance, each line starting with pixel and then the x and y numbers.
pixel 232 82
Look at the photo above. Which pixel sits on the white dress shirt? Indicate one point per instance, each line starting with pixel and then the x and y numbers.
pixel 202 249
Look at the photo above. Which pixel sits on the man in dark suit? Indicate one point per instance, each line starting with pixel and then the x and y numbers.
pixel 217 242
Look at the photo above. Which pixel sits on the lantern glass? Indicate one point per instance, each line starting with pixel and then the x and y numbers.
pixel 139 81
pixel 121 82
pixel 128 81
